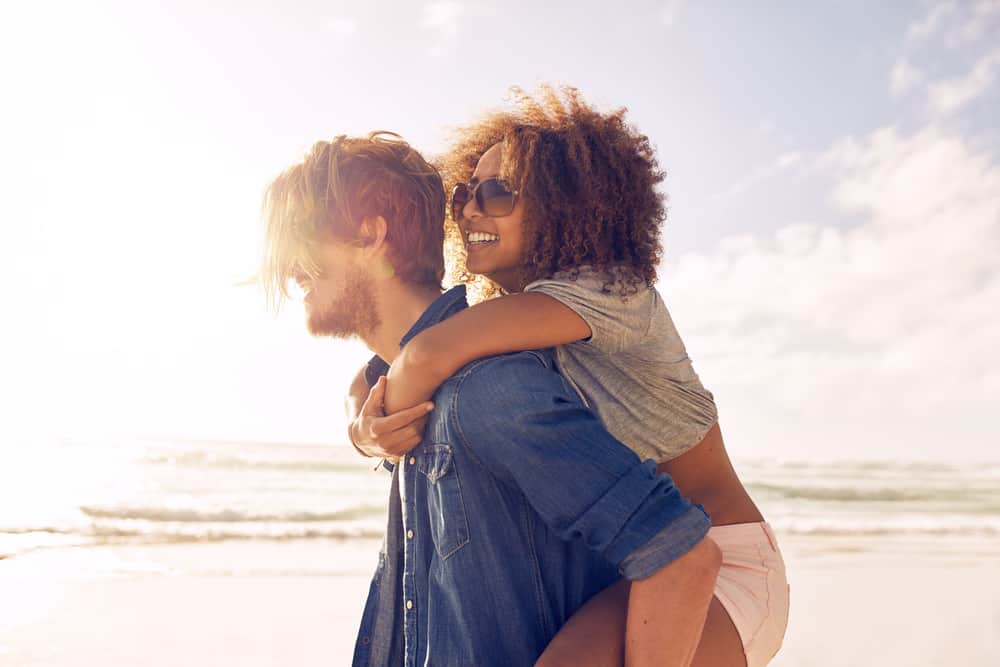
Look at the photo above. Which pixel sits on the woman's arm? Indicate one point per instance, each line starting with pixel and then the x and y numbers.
pixel 373 433
pixel 524 321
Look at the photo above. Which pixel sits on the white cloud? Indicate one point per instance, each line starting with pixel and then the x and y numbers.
pixel 932 21
pixel 873 341
pixel 670 11
pixel 903 78
pixel 957 23
pixel 982 16
pixel 341 27
pixel 783 162
pixel 947 97
pixel 788 159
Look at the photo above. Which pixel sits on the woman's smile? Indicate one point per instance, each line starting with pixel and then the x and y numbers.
pixel 476 241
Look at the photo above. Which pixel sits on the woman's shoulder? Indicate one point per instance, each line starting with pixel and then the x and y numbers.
pixel 618 283
pixel 617 307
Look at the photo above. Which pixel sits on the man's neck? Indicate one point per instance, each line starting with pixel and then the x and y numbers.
pixel 400 305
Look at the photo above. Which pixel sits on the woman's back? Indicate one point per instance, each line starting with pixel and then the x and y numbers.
pixel 635 372
pixel 634 369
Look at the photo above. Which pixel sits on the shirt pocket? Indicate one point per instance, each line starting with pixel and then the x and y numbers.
pixel 449 525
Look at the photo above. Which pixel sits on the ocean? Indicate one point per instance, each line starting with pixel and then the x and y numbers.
pixel 170 552
pixel 77 494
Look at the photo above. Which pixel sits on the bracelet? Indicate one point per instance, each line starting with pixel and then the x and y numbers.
pixel 350 438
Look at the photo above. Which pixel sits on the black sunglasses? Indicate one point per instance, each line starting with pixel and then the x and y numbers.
pixel 492 197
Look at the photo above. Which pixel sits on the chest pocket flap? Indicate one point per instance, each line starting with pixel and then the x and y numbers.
pixel 446 507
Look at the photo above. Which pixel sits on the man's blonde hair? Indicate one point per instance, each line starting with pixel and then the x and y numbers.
pixel 337 186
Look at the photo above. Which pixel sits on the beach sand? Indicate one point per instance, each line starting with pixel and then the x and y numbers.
pixel 911 605
pixel 298 604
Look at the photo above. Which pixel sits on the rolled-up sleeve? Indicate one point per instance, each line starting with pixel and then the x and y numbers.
pixel 521 420
pixel 668 545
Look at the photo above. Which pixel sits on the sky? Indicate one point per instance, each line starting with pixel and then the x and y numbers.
pixel 833 175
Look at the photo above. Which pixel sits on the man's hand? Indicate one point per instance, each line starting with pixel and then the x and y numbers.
pixel 378 435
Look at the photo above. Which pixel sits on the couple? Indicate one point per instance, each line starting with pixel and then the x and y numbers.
pixel 528 521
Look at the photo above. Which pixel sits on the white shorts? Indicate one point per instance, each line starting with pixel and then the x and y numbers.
pixel 753 588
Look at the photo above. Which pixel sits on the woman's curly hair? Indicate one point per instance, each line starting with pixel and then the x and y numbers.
pixel 589 184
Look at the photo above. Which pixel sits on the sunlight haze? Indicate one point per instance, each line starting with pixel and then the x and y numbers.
pixel 833 179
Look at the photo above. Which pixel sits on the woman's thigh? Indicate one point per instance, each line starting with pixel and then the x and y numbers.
pixel 720 645
pixel 595 635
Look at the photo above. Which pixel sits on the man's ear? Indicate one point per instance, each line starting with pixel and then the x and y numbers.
pixel 373 232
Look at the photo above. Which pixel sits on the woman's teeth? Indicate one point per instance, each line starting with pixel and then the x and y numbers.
pixel 482 237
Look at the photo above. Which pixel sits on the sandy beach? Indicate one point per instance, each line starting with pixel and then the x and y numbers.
pixel 253 605
pixel 298 603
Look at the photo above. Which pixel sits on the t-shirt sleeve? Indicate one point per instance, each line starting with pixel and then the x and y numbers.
pixel 616 323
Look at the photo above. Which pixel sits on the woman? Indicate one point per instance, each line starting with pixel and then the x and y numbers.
pixel 556 204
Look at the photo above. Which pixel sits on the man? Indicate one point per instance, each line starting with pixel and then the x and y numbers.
pixel 517 505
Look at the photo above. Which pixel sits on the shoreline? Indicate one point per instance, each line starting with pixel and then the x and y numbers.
pixel 258 604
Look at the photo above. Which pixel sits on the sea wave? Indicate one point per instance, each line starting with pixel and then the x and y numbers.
pixel 901 531
pixel 188 515
pixel 212 460
pixel 20 541
pixel 867 467
pixel 987 499
pixel 271 534
pixel 187 531
pixel 26 540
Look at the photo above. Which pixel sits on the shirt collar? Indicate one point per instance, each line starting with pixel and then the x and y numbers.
pixel 441 309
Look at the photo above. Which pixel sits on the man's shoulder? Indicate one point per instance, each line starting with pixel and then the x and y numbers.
pixel 489 393
pixel 488 371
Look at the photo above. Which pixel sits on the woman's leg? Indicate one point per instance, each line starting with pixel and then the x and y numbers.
pixel 721 645
pixel 595 635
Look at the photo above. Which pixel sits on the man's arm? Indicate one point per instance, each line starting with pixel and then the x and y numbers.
pixel 675 597
pixel 524 422
pixel 356 394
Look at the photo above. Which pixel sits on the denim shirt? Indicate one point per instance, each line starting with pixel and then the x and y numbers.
pixel 516 507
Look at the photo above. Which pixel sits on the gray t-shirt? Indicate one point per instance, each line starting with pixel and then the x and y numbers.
pixel 633 370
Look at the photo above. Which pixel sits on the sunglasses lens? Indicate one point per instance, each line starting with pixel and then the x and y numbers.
pixel 494 199
pixel 459 198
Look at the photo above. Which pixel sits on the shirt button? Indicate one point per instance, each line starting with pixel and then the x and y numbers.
pixel 413 460
pixel 365 641
pixel 409 534
pixel 409 604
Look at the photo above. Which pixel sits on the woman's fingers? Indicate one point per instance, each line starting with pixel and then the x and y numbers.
pixel 404 446
pixel 397 420
pixel 392 435
pixel 395 439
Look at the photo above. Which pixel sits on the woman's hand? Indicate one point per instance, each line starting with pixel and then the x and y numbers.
pixel 378 435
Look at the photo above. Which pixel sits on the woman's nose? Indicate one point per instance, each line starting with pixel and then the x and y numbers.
pixel 470 211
